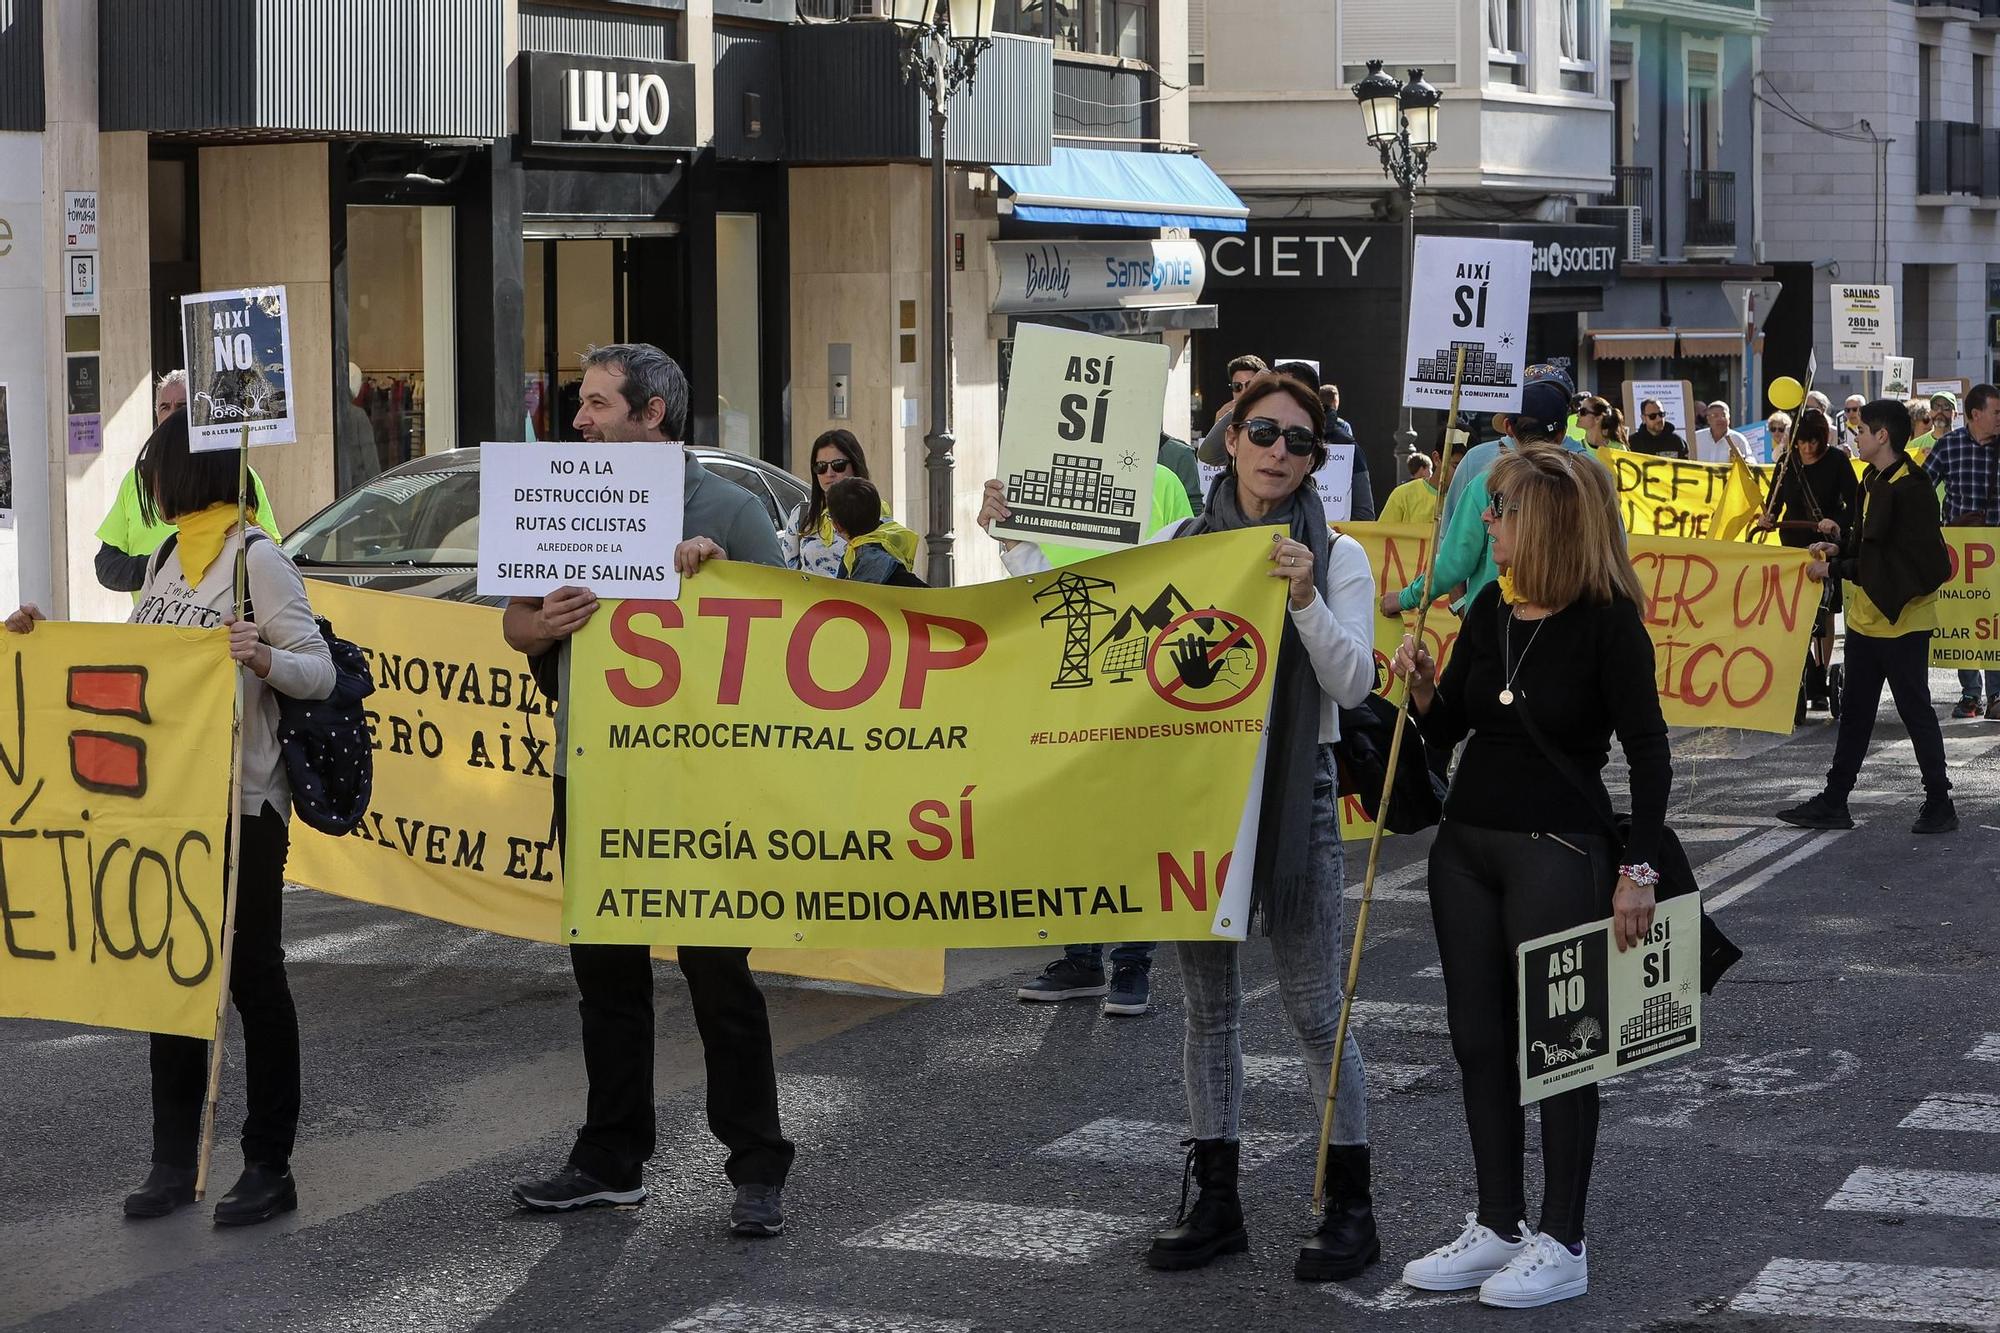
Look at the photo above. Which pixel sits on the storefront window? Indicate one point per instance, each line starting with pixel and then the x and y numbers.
pixel 402 389
pixel 739 359
pixel 572 302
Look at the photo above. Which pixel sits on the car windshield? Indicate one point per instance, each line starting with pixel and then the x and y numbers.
pixel 417 518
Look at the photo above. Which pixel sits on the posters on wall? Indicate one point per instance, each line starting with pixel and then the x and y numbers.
pixel 84 399
pixel 1864 325
pixel 601 516
pixel 238 350
pixel 1589 1011
pixel 1081 438
pixel 1468 295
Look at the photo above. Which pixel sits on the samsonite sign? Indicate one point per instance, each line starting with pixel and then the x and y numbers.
pixel 605 102
pixel 1095 275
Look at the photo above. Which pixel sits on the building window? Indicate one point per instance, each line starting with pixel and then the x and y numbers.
pixel 1624 101
pixel 1982 74
pixel 1197 46
pixel 1506 51
pixel 1704 108
pixel 1095 27
pixel 1927 62
pixel 402 341
pixel 739 352
pixel 1577 29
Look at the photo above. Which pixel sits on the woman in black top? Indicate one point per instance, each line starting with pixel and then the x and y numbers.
pixel 1815 502
pixel 1522 851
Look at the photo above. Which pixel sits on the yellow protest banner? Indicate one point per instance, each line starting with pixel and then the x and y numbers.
pixel 115 753
pixel 1675 497
pixel 1968 605
pixel 1059 758
pixel 460 827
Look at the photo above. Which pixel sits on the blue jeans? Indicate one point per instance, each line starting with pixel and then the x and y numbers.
pixel 1968 684
pixel 1122 955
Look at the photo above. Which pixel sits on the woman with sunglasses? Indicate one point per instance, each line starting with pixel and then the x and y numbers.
pixel 1550 664
pixel 1325 662
pixel 1603 425
pixel 810 541
pixel 1778 426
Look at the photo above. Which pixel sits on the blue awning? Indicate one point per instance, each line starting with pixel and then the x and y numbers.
pixel 1100 188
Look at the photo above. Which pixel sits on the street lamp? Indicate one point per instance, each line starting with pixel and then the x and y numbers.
pixel 1401 123
pixel 942 43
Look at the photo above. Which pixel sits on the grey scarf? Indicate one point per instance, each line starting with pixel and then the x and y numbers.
pixel 1283 877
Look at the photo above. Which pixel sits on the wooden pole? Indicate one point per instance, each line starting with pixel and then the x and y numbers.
pixel 1382 809
pixel 239 584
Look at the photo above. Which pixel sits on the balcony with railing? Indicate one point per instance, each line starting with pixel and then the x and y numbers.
pixel 1632 187
pixel 1957 158
pixel 1711 210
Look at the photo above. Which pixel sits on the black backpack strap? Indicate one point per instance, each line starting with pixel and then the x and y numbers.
pixel 160 554
pixel 1593 793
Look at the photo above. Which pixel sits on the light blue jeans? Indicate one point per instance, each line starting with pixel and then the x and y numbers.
pixel 1311 965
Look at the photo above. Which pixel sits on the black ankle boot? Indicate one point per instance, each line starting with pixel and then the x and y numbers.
pixel 259 1194
pixel 166 1188
pixel 1214 1225
pixel 1346 1241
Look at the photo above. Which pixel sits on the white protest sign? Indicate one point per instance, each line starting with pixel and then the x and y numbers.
pixel 1472 295
pixel 238 350
pixel 1335 480
pixel 1081 439
pixel 1675 398
pixel 1898 374
pixel 1589 1011
pixel 601 516
pixel 1864 325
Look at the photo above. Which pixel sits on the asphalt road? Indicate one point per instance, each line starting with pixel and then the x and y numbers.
pixel 1831 1158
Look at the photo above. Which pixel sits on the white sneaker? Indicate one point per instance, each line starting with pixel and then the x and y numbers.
pixel 1543 1273
pixel 1477 1254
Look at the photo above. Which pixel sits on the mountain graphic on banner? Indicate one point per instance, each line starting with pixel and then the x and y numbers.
pixel 1123 648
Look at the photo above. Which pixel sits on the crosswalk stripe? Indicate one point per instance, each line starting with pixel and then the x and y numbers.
pixel 1813 846
pixel 1425 1019
pixel 1988 1048
pixel 1918 1192
pixel 1965 1112
pixel 1934 1297
pixel 320 947
pixel 976 1230
pixel 1715 872
pixel 731 1316
pixel 1383 1075
pixel 1116 1142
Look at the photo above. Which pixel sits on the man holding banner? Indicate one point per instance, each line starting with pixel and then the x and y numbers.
pixel 634 392
pixel 1966 464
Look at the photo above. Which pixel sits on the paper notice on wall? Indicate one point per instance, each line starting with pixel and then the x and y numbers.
pixel 606 517
pixel 238 350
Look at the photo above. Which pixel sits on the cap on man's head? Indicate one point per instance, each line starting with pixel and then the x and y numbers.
pixel 1945 398
pixel 1545 401
pixel 1544 372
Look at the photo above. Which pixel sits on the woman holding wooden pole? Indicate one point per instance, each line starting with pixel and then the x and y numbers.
pixel 191 583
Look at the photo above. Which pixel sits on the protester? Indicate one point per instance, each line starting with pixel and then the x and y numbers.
pixel 1325 661
pixel 1779 427
pixel 1937 425
pixel 1242 370
pixel 1416 500
pixel 809 541
pixel 634 392
pixel 1965 465
pixel 1814 501
pixel 1893 561
pixel 1465 553
pixel 125 536
pixel 1850 423
pixel 855 507
pixel 193 585
pixel 1339 430
pixel 1177 457
pixel 1656 435
pixel 1577 430
pixel 1603 425
pixel 1520 852
pixel 1715 442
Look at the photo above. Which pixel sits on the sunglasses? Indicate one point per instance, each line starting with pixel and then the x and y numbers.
pixel 831 465
pixel 1496 504
pixel 1656 416
pixel 1238 386
pixel 1264 432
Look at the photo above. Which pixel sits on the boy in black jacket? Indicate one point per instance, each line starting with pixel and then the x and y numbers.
pixel 1893 565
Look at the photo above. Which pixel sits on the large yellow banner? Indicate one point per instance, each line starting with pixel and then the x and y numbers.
pixel 1968 605
pixel 461 827
pixel 114 755
pixel 1672 497
pixel 776 759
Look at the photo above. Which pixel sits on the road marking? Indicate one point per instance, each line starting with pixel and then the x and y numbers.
pixel 1877 1189
pixel 1717 871
pixel 1432 970
pixel 1716 833
pixel 1965 1112
pixel 1425 1019
pixel 1904 1293
pixel 977 1230
pixel 1671 1094
pixel 1116 1142
pixel 76 1042
pixel 1396 1296
pixel 1988 1049
pixel 318 948
pixel 784 1317
pixel 1813 846
pixel 1383 1076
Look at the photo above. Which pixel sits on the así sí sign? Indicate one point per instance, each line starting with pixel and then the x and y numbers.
pixel 606 102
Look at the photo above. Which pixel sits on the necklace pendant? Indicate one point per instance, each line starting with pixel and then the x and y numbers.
pixel 1507 697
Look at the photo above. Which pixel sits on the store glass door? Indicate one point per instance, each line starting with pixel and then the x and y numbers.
pixel 402 340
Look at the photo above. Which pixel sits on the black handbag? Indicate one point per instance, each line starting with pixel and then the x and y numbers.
pixel 1718 953
pixel 1362 757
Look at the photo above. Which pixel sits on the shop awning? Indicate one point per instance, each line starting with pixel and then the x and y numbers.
pixel 1631 344
pixel 1094 187
pixel 1715 342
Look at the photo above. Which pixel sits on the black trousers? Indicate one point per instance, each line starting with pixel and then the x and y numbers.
pixel 615 983
pixel 1490 892
pixel 263 999
pixel 1904 662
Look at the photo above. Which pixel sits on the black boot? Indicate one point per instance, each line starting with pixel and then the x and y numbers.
pixel 1815 683
pixel 1346 1241
pixel 1215 1224
pixel 259 1194
pixel 166 1188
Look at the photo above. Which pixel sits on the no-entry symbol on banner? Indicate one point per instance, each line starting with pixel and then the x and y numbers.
pixel 1216 661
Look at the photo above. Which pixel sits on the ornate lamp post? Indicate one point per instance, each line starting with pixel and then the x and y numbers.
pixel 1401 122
pixel 943 40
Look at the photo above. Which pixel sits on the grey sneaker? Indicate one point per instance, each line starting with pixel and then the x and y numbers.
pixel 759 1210
pixel 1064 980
pixel 1130 993
pixel 573 1187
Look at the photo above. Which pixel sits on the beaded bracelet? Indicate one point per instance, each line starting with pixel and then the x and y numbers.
pixel 1641 874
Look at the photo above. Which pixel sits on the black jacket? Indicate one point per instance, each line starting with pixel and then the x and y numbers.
pixel 1898 553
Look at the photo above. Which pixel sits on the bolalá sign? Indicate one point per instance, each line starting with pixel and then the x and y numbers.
pixel 592 102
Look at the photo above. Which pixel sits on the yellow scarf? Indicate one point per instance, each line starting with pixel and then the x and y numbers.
pixel 1507 593
pixel 892 536
pixel 202 535
pixel 881 537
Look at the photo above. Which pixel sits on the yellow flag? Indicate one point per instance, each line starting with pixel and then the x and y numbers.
pixel 1742 500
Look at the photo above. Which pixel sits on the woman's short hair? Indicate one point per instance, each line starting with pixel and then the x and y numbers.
pixel 175 482
pixel 1270 382
pixel 1813 428
pixel 1569 538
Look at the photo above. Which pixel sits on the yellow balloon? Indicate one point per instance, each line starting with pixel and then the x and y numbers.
pixel 1786 393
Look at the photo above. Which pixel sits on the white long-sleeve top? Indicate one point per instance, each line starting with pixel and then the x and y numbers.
pixel 1338 629
pixel 301 664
